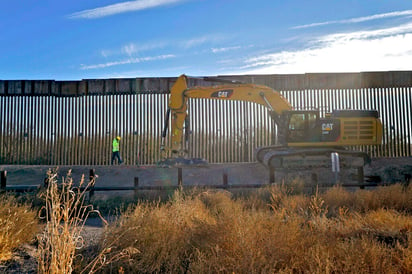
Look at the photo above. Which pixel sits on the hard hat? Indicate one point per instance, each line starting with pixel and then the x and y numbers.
pixel 118 138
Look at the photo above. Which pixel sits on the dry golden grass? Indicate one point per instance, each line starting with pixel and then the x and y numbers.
pixel 209 232
pixel 275 230
pixel 18 225
pixel 395 197
pixel 65 213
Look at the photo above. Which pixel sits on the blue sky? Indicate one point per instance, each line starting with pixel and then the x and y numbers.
pixel 88 39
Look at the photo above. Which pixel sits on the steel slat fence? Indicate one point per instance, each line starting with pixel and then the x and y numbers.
pixel 78 130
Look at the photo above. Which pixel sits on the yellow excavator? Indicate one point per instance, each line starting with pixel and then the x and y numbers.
pixel 305 139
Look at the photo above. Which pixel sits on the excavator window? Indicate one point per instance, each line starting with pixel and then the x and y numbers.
pixel 302 126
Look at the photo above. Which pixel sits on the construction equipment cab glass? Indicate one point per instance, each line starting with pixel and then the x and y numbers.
pixel 302 126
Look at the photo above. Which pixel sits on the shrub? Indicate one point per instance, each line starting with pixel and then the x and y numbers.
pixel 18 225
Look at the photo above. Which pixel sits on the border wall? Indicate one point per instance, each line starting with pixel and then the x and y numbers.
pixel 73 122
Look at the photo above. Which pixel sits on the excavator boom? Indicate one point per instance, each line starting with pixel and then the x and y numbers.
pixel 180 93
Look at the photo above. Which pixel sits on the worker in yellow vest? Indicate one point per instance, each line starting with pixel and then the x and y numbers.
pixel 116 151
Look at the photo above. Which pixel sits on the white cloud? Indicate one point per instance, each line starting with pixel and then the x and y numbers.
pixel 359 19
pixel 121 8
pixel 129 49
pixel 195 42
pixel 105 53
pixel 384 49
pixel 217 50
pixel 127 61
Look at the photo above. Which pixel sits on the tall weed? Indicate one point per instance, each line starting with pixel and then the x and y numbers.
pixel 65 213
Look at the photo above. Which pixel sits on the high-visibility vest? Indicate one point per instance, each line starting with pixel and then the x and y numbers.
pixel 115 145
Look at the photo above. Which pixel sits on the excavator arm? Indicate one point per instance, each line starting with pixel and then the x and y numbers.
pixel 180 93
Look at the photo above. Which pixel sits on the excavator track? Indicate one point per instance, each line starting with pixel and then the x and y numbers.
pixel 291 158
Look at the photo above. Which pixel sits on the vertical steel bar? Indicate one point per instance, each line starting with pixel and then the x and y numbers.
pixel 51 128
pixel 375 104
pixel 87 129
pixel 135 129
pixel 250 114
pixel 102 151
pixel 210 131
pixel 79 130
pixel 26 130
pixel 219 131
pixel 69 130
pixel 24 143
pixel 5 129
pixel 19 132
pixel 141 143
pixel 193 127
pixel 392 123
pixel 194 121
pixel 378 98
pixel 110 134
pixel 104 134
pixel 60 136
pixel 151 129
pixel 215 131
pixel 9 127
pixel 206 130
pixel 387 121
pixel 32 134
pixel 399 121
pixel 76 130
pixel 229 137
pixel 157 123
pixel 62 131
pixel 94 127
pixel 23 120
pixel 226 130
pixel 408 106
pixel 145 128
pixel 123 127
pixel 128 119
pixel 83 138
pixel 56 121
pixel 45 127
pixel 67 133
pixel 103 119
pixel 2 130
pixel 40 136
pixel 15 130
pixel 396 131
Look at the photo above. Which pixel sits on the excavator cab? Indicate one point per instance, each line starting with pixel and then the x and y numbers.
pixel 303 126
